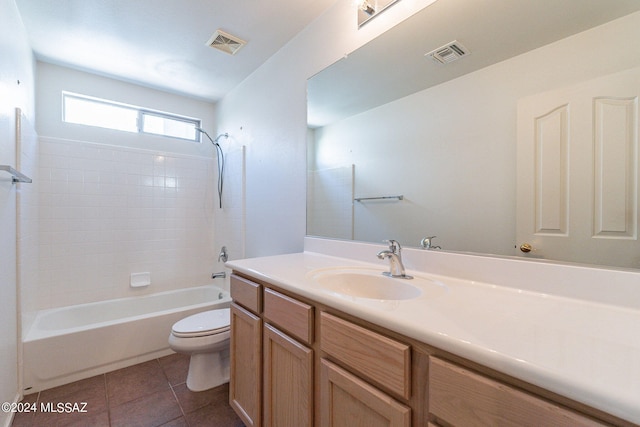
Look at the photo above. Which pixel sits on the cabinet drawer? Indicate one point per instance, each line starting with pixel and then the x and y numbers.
pixel 381 359
pixel 289 314
pixel 464 398
pixel 246 293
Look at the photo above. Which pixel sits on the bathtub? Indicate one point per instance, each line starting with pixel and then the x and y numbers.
pixel 76 342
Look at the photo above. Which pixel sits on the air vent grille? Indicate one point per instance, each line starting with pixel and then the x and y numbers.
pixel 448 53
pixel 225 42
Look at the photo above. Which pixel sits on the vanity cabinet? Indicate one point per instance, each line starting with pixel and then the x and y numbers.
pixel 297 362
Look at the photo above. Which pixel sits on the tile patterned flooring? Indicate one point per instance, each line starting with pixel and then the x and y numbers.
pixel 149 394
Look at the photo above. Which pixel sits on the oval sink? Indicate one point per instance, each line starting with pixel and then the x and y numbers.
pixel 371 284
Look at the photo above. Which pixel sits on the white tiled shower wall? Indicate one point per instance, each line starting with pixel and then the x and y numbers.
pixel 109 211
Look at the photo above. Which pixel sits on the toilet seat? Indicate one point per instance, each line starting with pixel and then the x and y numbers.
pixel 210 322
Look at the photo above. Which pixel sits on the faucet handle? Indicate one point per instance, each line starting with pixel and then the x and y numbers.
pixel 426 242
pixel 394 246
pixel 223 255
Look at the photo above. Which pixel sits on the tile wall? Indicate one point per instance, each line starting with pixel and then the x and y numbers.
pixel 108 211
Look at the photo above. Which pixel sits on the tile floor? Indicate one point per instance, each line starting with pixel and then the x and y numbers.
pixel 150 394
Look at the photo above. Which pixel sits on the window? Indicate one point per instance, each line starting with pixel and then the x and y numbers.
pixel 90 111
pixel 168 125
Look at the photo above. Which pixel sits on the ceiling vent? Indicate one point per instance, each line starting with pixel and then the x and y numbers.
pixel 225 42
pixel 448 53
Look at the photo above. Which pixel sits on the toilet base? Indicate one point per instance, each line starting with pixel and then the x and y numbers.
pixel 208 370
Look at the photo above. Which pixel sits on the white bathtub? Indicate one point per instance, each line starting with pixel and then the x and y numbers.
pixel 76 342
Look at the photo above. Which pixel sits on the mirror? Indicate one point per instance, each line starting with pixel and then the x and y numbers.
pixel 431 148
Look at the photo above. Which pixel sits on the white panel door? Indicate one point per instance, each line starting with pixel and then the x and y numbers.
pixel 578 172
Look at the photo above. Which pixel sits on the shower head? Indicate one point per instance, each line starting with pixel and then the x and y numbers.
pixel 226 135
pixel 214 142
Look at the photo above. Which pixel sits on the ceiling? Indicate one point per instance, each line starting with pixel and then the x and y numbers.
pixel 162 43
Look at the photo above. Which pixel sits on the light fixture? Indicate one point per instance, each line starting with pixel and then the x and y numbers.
pixel 368 9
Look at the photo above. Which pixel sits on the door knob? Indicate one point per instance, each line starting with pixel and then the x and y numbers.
pixel 525 247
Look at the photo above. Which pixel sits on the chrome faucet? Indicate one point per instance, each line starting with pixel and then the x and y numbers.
pixel 394 253
pixel 220 275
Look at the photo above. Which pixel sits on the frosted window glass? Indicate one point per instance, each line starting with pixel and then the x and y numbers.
pixel 96 113
pixel 167 126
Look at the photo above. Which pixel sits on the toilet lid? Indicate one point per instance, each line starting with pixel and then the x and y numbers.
pixel 205 323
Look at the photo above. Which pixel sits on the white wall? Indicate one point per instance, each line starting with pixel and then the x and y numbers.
pixel 451 150
pixel 16 65
pixel 267 113
pixel 229 227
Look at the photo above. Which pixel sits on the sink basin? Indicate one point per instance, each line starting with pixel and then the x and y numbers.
pixel 371 284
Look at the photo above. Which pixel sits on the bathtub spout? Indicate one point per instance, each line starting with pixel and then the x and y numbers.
pixel 221 275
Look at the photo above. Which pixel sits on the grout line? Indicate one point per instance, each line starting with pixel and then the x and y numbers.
pixel 175 396
pixel 184 416
pixel 106 397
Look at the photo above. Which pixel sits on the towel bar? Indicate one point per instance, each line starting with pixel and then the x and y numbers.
pixel 360 199
pixel 17 176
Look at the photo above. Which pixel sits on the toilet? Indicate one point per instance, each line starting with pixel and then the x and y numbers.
pixel 205 336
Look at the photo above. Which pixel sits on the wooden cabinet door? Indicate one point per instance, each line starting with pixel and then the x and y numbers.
pixel 245 384
pixel 348 401
pixel 288 381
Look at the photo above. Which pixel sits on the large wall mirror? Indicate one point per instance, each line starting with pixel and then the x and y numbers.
pixel 480 151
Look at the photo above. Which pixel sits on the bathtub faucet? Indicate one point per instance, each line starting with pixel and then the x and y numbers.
pixel 221 275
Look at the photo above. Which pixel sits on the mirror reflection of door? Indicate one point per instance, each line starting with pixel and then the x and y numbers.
pixel 578 172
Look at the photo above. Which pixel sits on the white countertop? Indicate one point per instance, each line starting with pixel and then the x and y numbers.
pixel 584 350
